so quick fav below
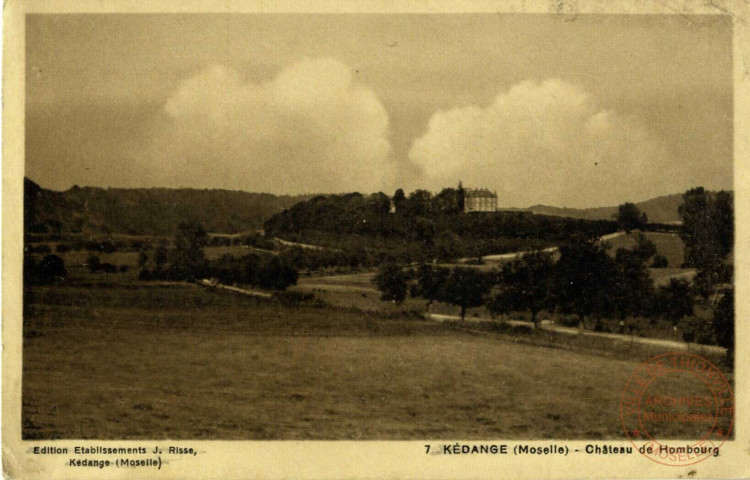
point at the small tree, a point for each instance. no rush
(526, 284)
(465, 288)
(430, 282)
(585, 279)
(675, 301)
(629, 217)
(660, 261)
(190, 241)
(391, 281)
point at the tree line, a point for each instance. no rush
(423, 227)
(187, 261)
(588, 282)
(585, 281)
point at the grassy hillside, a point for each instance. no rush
(667, 244)
(207, 365)
(146, 211)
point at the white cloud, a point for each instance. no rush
(545, 142)
(310, 129)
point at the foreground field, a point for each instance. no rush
(133, 361)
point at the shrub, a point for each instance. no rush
(94, 263)
(50, 269)
(660, 261)
(108, 268)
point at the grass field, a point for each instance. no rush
(668, 244)
(160, 361)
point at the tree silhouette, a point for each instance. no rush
(465, 288)
(584, 279)
(430, 282)
(629, 217)
(391, 281)
(526, 284)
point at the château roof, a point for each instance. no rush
(480, 193)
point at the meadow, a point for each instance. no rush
(142, 360)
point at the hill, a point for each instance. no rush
(147, 211)
(659, 210)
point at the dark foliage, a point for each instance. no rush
(634, 288)
(526, 283)
(146, 211)
(466, 288)
(660, 261)
(629, 217)
(50, 269)
(276, 275)
(93, 263)
(423, 228)
(430, 282)
(708, 227)
(675, 300)
(391, 281)
(585, 279)
(724, 323)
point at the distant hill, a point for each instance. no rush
(659, 210)
(147, 211)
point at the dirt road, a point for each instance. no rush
(680, 346)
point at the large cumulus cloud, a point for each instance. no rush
(545, 142)
(312, 128)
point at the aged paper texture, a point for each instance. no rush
(375, 239)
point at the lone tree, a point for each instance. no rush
(629, 217)
(391, 281)
(465, 288)
(526, 284)
(584, 279)
(430, 282)
(190, 241)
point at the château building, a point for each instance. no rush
(479, 200)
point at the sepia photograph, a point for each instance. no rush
(329, 226)
(366, 226)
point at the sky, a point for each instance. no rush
(590, 112)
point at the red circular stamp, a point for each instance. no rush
(677, 409)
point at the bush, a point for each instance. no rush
(108, 268)
(660, 261)
(94, 263)
(49, 270)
